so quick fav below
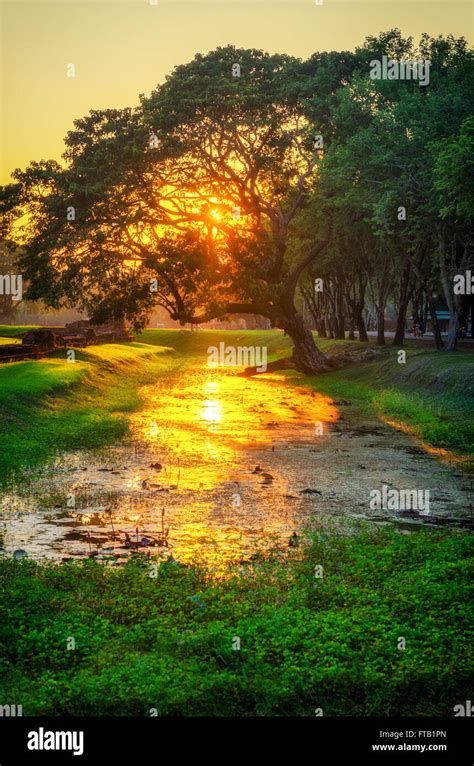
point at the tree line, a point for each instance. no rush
(236, 189)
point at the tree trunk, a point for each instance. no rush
(452, 300)
(306, 355)
(400, 328)
(356, 302)
(383, 284)
(404, 296)
(340, 319)
(322, 329)
(453, 327)
(381, 325)
(436, 331)
(363, 337)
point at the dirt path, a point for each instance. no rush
(244, 464)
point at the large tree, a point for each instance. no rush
(245, 176)
(187, 202)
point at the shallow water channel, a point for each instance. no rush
(219, 466)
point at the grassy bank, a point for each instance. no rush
(51, 405)
(171, 642)
(15, 331)
(431, 395)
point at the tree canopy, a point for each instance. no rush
(240, 177)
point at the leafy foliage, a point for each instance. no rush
(306, 642)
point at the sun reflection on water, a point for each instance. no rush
(206, 420)
(196, 445)
(211, 411)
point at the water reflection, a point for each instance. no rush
(212, 411)
(195, 447)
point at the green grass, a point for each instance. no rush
(194, 345)
(168, 642)
(52, 405)
(15, 331)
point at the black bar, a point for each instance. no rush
(317, 740)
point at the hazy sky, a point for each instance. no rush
(121, 49)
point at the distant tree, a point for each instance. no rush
(453, 182)
(384, 169)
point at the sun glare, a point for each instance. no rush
(212, 411)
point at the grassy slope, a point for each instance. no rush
(52, 404)
(432, 394)
(15, 331)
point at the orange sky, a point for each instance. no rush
(121, 49)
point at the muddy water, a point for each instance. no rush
(218, 466)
